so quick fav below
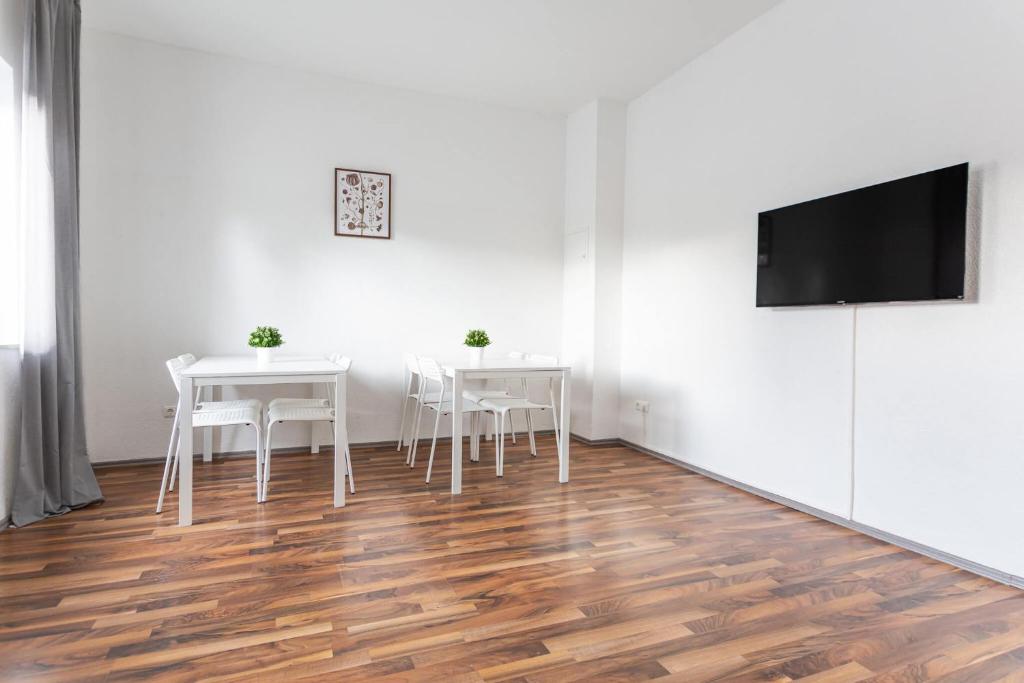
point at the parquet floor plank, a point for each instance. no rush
(636, 570)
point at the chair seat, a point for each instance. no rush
(229, 405)
(247, 415)
(511, 403)
(207, 414)
(305, 410)
(480, 394)
(432, 397)
(288, 413)
(299, 403)
(467, 407)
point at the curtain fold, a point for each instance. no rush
(54, 474)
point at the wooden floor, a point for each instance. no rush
(636, 570)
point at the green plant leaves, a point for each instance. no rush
(265, 338)
(477, 339)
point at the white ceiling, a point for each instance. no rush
(546, 55)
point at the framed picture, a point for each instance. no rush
(362, 203)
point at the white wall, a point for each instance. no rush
(12, 19)
(817, 97)
(595, 168)
(578, 268)
(607, 251)
(207, 190)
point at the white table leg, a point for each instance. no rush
(563, 417)
(477, 417)
(208, 432)
(314, 431)
(185, 452)
(340, 438)
(457, 382)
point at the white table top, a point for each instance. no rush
(246, 366)
(501, 365)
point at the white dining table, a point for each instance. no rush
(214, 371)
(505, 369)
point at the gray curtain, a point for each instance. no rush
(54, 474)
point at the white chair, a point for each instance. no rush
(303, 410)
(549, 360)
(415, 391)
(478, 393)
(422, 396)
(208, 414)
(502, 407)
(430, 372)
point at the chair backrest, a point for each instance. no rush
(342, 360)
(412, 363)
(430, 369)
(176, 365)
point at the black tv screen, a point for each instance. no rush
(903, 240)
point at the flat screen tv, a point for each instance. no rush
(903, 240)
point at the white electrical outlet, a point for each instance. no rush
(642, 406)
(169, 412)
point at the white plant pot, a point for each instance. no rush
(264, 356)
(476, 354)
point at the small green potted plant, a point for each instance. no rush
(265, 340)
(476, 342)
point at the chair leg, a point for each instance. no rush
(208, 436)
(401, 428)
(433, 443)
(511, 427)
(503, 445)
(497, 441)
(474, 427)
(554, 411)
(499, 461)
(430, 465)
(174, 474)
(259, 458)
(529, 428)
(479, 420)
(410, 458)
(405, 410)
(171, 457)
(174, 467)
(351, 476)
(416, 439)
(266, 462)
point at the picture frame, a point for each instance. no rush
(362, 203)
